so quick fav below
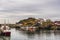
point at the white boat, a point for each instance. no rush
(5, 31)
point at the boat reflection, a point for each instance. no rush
(4, 38)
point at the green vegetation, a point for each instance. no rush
(45, 24)
(28, 22)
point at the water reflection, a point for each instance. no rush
(41, 35)
(17, 34)
(4, 38)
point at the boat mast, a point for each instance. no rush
(8, 22)
(4, 22)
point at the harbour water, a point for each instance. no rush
(21, 35)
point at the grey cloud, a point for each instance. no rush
(44, 8)
(35, 7)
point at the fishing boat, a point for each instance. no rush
(5, 30)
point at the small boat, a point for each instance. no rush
(5, 31)
(32, 29)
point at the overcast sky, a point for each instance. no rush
(15, 10)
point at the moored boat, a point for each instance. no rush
(32, 29)
(5, 31)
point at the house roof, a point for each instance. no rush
(57, 23)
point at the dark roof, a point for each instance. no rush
(57, 22)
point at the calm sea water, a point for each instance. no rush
(21, 35)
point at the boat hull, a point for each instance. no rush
(6, 33)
